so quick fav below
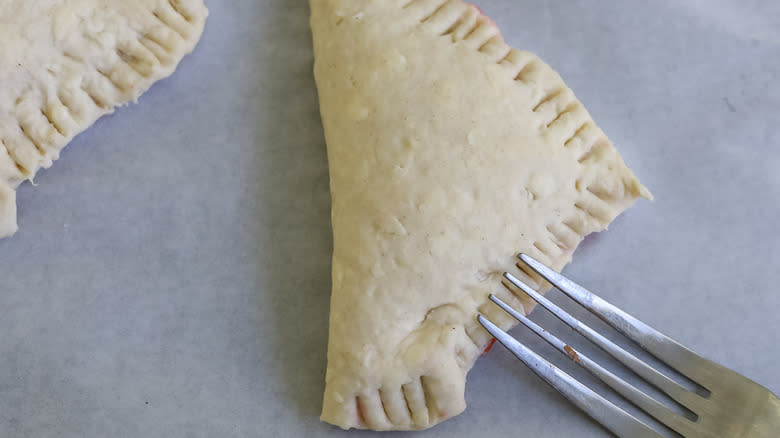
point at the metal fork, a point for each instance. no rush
(735, 406)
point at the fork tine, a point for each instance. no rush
(629, 392)
(615, 419)
(659, 345)
(645, 371)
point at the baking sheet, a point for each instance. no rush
(171, 275)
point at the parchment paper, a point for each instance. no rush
(171, 276)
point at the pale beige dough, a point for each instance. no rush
(65, 63)
(449, 153)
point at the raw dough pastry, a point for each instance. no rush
(449, 152)
(65, 63)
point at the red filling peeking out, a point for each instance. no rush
(489, 346)
(488, 18)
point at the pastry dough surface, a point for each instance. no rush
(449, 153)
(65, 63)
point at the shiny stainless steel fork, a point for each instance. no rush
(735, 406)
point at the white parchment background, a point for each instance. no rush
(171, 276)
